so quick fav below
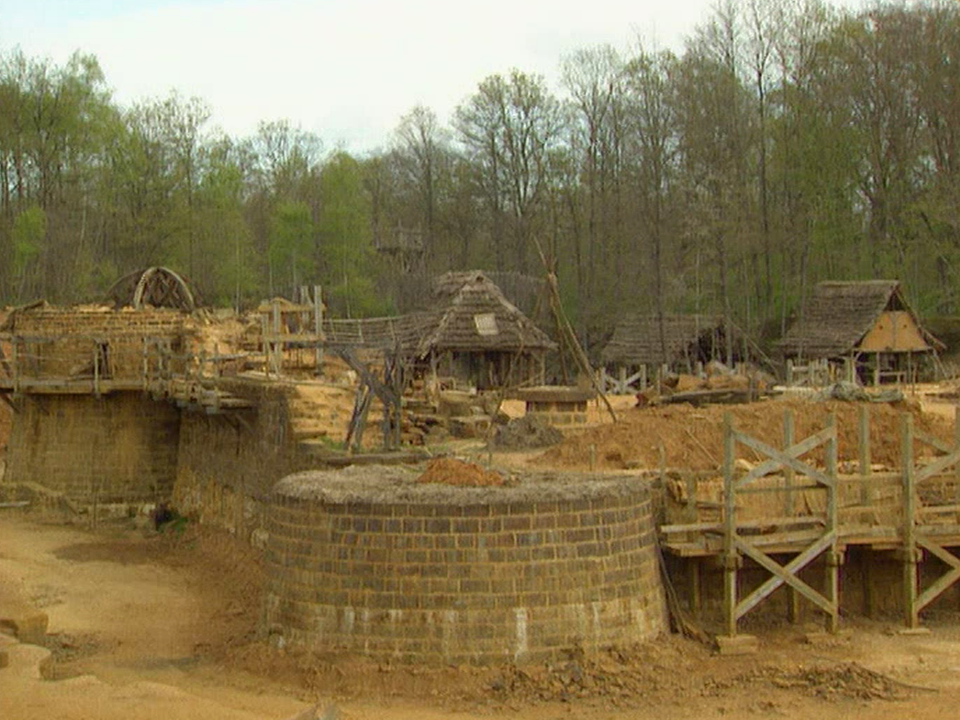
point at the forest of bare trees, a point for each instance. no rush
(789, 142)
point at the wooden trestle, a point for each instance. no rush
(771, 509)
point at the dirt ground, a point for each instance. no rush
(146, 625)
(163, 626)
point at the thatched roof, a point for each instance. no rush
(839, 314)
(475, 317)
(636, 340)
(478, 318)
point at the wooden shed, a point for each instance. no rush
(866, 327)
(471, 333)
(480, 336)
(637, 347)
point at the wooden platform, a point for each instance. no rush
(785, 506)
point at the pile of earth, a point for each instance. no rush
(447, 471)
(525, 433)
(681, 436)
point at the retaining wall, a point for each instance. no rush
(368, 561)
(117, 449)
(228, 464)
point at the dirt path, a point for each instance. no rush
(148, 627)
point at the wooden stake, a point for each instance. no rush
(911, 615)
(730, 557)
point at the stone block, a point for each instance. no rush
(29, 626)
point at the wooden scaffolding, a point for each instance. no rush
(787, 505)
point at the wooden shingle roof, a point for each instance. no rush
(839, 314)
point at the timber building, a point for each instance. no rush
(865, 326)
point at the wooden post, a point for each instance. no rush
(730, 557)
(788, 472)
(622, 379)
(833, 558)
(789, 372)
(956, 448)
(911, 616)
(643, 377)
(318, 328)
(696, 586)
(277, 346)
(876, 370)
(14, 363)
(96, 368)
(867, 579)
(866, 489)
(143, 367)
(793, 597)
(265, 340)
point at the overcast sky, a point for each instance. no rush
(344, 69)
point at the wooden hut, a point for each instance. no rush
(687, 341)
(479, 336)
(863, 330)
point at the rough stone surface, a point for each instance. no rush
(369, 561)
(121, 448)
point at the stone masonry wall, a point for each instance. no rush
(61, 341)
(368, 561)
(118, 449)
(228, 465)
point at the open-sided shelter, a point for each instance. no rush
(866, 325)
(637, 346)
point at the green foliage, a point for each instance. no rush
(786, 144)
(29, 230)
(290, 252)
(345, 250)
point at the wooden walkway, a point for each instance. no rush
(790, 506)
(38, 366)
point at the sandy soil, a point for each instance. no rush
(144, 625)
(162, 627)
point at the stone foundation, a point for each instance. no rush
(120, 449)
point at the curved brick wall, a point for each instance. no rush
(368, 561)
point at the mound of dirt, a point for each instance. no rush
(681, 436)
(447, 471)
(525, 433)
(845, 680)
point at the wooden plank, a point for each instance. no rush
(937, 466)
(786, 574)
(946, 580)
(730, 557)
(786, 458)
(911, 616)
(933, 442)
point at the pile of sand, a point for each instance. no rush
(447, 471)
(680, 436)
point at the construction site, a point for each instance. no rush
(280, 514)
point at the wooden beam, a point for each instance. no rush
(786, 574)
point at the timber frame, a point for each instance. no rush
(789, 506)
